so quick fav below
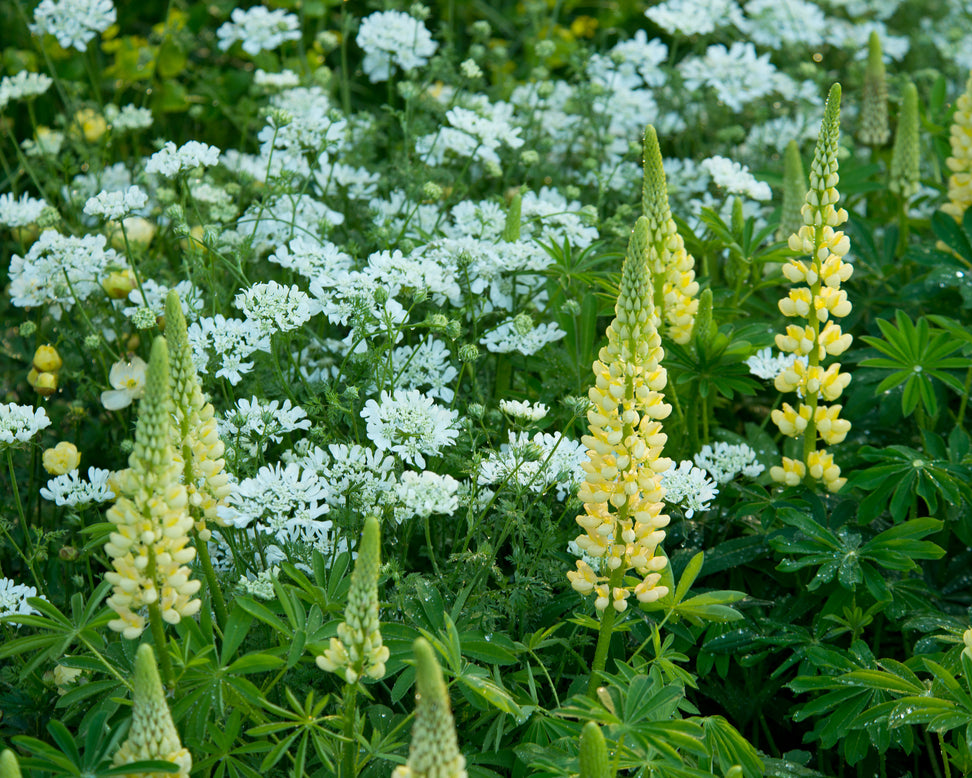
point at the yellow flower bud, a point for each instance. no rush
(61, 459)
(119, 283)
(91, 124)
(45, 384)
(47, 360)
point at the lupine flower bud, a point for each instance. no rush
(672, 268)
(704, 329)
(905, 157)
(434, 752)
(622, 489)
(819, 302)
(152, 735)
(794, 192)
(511, 229)
(47, 360)
(9, 767)
(593, 753)
(960, 163)
(357, 650)
(874, 99)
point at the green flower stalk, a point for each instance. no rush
(9, 767)
(149, 546)
(670, 265)
(960, 163)
(873, 129)
(152, 735)
(794, 191)
(434, 752)
(197, 440)
(358, 650)
(511, 227)
(818, 302)
(905, 156)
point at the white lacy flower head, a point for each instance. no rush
(72, 490)
(524, 411)
(260, 585)
(736, 178)
(285, 79)
(127, 379)
(426, 366)
(630, 64)
(128, 118)
(253, 424)
(19, 423)
(334, 177)
(280, 219)
(170, 161)
(519, 334)
(152, 296)
(536, 463)
(425, 493)
(737, 75)
(358, 477)
(694, 17)
(764, 365)
(410, 424)
(258, 29)
(13, 599)
(472, 135)
(60, 270)
(360, 299)
(231, 340)
(724, 461)
(21, 85)
(688, 487)
(19, 212)
(273, 307)
(115, 205)
(313, 259)
(73, 22)
(557, 217)
(780, 24)
(393, 39)
(283, 502)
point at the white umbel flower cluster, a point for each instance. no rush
(19, 423)
(410, 424)
(393, 39)
(258, 29)
(170, 161)
(73, 22)
(115, 205)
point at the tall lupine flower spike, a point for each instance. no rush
(819, 302)
(794, 191)
(434, 752)
(357, 650)
(672, 268)
(152, 735)
(622, 489)
(874, 99)
(960, 163)
(149, 547)
(905, 157)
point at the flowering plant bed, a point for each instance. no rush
(487, 389)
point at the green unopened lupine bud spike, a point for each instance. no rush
(153, 430)
(794, 191)
(654, 186)
(593, 753)
(511, 229)
(152, 735)
(9, 767)
(434, 752)
(704, 330)
(905, 157)
(873, 129)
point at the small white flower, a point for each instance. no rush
(523, 411)
(73, 22)
(258, 29)
(764, 365)
(536, 463)
(736, 178)
(393, 38)
(13, 599)
(253, 424)
(423, 494)
(514, 335)
(23, 84)
(19, 212)
(21, 422)
(688, 487)
(410, 424)
(70, 489)
(169, 160)
(276, 308)
(724, 461)
(127, 378)
(115, 205)
(128, 118)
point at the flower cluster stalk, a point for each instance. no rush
(818, 302)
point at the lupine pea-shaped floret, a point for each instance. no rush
(819, 302)
(622, 491)
(152, 735)
(149, 546)
(358, 650)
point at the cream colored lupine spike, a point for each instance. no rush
(358, 650)
(434, 751)
(9, 766)
(196, 433)
(960, 163)
(152, 735)
(671, 266)
(622, 491)
(149, 545)
(819, 302)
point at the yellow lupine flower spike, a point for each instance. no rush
(149, 546)
(434, 751)
(960, 163)
(358, 650)
(670, 265)
(152, 735)
(819, 303)
(622, 489)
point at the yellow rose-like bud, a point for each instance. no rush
(119, 283)
(47, 360)
(45, 384)
(61, 459)
(91, 124)
(138, 230)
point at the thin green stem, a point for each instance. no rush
(963, 403)
(604, 635)
(158, 635)
(215, 592)
(350, 746)
(29, 559)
